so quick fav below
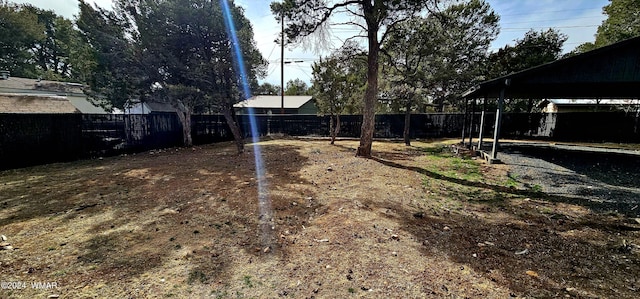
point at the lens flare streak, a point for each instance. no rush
(264, 202)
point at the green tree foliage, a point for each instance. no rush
(536, 48)
(467, 30)
(19, 32)
(409, 64)
(376, 19)
(296, 87)
(585, 47)
(175, 51)
(623, 22)
(436, 56)
(267, 88)
(39, 43)
(337, 86)
(52, 53)
(118, 74)
(328, 84)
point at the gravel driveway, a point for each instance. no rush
(603, 179)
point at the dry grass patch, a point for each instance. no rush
(411, 222)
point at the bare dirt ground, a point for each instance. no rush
(413, 222)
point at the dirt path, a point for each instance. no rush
(413, 222)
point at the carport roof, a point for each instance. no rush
(608, 72)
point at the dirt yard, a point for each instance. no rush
(414, 222)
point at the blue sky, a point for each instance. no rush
(578, 19)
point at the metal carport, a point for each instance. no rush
(611, 72)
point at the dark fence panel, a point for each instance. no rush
(31, 139)
(386, 125)
(514, 125)
(350, 126)
(111, 134)
(103, 134)
(570, 126)
(596, 127)
(519, 125)
(209, 129)
(162, 131)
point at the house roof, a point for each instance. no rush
(135, 107)
(18, 103)
(160, 107)
(17, 86)
(608, 72)
(594, 102)
(588, 102)
(26, 85)
(264, 101)
(84, 106)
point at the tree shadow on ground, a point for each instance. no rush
(625, 208)
(57, 189)
(541, 258)
(405, 154)
(215, 220)
(534, 253)
(197, 205)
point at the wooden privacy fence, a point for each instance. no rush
(432, 125)
(110, 134)
(30, 139)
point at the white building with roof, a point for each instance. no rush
(586, 105)
(268, 104)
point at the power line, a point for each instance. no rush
(272, 68)
(554, 20)
(555, 27)
(304, 72)
(302, 58)
(549, 11)
(564, 44)
(274, 47)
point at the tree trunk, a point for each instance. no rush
(331, 128)
(334, 127)
(184, 114)
(407, 124)
(371, 93)
(337, 128)
(235, 129)
(332, 131)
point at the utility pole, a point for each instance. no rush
(282, 64)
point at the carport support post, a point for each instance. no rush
(464, 120)
(473, 111)
(484, 107)
(481, 129)
(496, 132)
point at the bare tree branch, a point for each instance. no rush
(328, 11)
(354, 12)
(354, 37)
(350, 23)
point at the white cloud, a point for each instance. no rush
(66, 8)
